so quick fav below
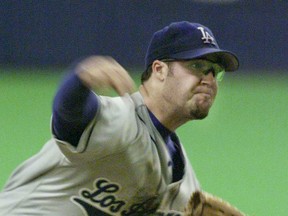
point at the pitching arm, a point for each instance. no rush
(75, 104)
(74, 107)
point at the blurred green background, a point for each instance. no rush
(239, 152)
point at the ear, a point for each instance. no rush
(160, 70)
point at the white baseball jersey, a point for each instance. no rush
(120, 167)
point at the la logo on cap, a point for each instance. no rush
(206, 37)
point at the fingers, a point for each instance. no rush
(100, 73)
(119, 79)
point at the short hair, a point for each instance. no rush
(146, 74)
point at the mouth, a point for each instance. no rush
(205, 97)
(207, 92)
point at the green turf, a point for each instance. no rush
(239, 152)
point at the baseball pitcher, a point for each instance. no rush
(120, 155)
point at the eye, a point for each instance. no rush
(196, 65)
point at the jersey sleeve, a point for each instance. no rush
(90, 124)
(74, 107)
(112, 130)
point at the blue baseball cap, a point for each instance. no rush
(184, 41)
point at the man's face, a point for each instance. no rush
(189, 91)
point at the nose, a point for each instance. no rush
(208, 79)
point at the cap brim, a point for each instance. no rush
(228, 59)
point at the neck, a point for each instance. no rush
(164, 112)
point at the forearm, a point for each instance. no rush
(74, 107)
(75, 104)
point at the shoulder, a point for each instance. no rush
(115, 108)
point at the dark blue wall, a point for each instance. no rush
(42, 32)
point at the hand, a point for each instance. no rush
(100, 73)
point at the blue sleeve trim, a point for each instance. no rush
(74, 107)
